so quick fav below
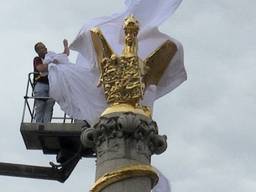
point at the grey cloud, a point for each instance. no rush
(209, 119)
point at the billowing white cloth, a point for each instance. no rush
(51, 56)
(163, 184)
(74, 86)
(75, 89)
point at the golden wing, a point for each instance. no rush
(158, 61)
(102, 48)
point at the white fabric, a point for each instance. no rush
(51, 56)
(163, 184)
(75, 90)
(74, 86)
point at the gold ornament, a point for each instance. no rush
(123, 173)
(125, 78)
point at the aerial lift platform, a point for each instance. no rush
(61, 137)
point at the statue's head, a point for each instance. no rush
(131, 29)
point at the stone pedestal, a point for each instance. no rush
(124, 143)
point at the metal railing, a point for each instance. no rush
(29, 102)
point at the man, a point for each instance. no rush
(43, 104)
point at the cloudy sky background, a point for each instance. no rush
(210, 119)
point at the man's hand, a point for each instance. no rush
(66, 48)
(65, 43)
(55, 61)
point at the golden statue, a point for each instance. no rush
(125, 78)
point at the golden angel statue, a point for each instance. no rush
(124, 63)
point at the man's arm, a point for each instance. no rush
(38, 63)
(42, 67)
(66, 48)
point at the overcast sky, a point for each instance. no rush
(209, 120)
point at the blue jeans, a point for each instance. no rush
(43, 107)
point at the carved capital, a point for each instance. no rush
(115, 130)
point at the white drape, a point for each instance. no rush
(73, 86)
(163, 184)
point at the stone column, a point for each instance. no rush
(124, 143)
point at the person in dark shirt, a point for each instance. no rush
(43, 104)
